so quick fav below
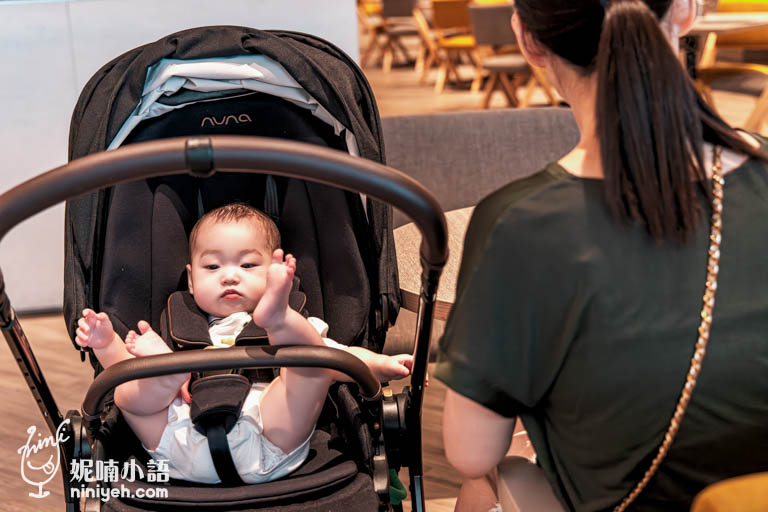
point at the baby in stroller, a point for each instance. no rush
(237, 274)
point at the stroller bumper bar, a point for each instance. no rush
(235, 357)
(232, 153)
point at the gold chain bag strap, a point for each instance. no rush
(706, 323)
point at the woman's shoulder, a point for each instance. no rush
(549, 191)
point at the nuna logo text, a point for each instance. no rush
(225, 120)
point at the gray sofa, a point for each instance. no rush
(461, 157)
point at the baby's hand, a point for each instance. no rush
(94, 330)
(385, 368)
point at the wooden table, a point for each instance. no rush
(407, 243)
(709, 26)
(724, 22)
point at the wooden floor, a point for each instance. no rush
(397, 92)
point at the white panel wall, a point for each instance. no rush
(49, 49)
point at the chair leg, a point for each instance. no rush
(529, 89)
(442, 75)
(387, 57)
(403, 50)
(489, 88)
(368, 51)
(427, 66)
(477, 81)
(421, 59)
(509, 88)
(454, 59)
(709, 53)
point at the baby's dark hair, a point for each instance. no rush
(236, 212)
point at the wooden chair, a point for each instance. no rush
(710, 71)
(506, 66)
(452, 27)
(368, 15)
(391, 20)
(397, 23)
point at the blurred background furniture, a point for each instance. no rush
(385, 24)
(498, 54)
(369, 18)
(454, 40)
(728, 29)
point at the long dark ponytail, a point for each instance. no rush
(651, 122)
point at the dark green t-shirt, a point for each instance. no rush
(586, 329)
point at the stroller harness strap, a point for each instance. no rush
(217, 401)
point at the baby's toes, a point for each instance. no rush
(130, 340)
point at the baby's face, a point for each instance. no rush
(228, 272)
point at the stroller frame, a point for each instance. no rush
(398, 416)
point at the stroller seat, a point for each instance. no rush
(226, 90)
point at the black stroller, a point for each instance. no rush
(193, 140)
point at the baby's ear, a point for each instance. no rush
(189, 279)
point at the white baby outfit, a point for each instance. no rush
(257, 460)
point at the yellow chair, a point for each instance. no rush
(370, 7)
(748, 493)
(710, 70)
(451, 23)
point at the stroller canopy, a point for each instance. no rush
(349, 271)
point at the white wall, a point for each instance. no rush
(49, 49)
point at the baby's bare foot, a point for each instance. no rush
(270, 311)
(94, 330)
(148, 343)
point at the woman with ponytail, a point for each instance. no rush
(586, 297)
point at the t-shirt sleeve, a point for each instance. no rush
(517, 309)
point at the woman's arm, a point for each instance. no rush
(475, 437)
